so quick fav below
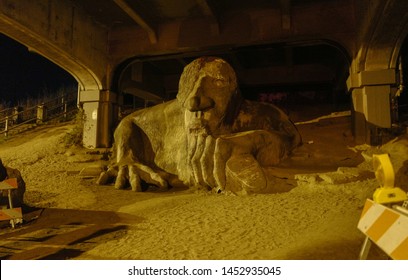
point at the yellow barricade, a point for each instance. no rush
(387, 228)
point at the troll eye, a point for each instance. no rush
(220, 82)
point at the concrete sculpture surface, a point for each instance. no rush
(208, 137)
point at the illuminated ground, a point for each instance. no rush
(70, 217)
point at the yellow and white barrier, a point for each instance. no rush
(385, 227)
(384, 172)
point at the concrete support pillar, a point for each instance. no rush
(17, 117)
(371, 94)
(99, 109)
(41, 114)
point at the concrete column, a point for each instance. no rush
(108, 117)
(41, 114)
(99, 117)
(358, 119)
(17, 117)
(371, 94)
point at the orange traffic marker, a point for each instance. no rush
(11, 214)
(8, 184)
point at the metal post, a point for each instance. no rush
(11, 207)
(365, 249)
(6, 128)
(65, 110)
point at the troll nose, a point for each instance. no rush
(199, 103)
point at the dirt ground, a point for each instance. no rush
(67, 216)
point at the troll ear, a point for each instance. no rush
(233, 108)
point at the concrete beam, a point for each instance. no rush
(285, 14)
(209, 11)
(297, 74)
(61, 33)
(138, 19)
(371, 78)
(381, 29)
(206, 8)
(391, 29)
(332, 21)
(279, 75)
(143, 94)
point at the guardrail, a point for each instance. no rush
(16, 117)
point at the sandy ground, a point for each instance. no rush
(315, 217)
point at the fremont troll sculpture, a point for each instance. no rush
(208, 137)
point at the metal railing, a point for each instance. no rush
(16, 117)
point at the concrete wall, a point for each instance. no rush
(67, 36)
(383, 25)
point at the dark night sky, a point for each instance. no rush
(28, 75)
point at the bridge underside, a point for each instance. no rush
(126, 54)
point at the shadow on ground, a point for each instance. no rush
(59, 234)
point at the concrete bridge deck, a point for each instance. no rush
(115, 48)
